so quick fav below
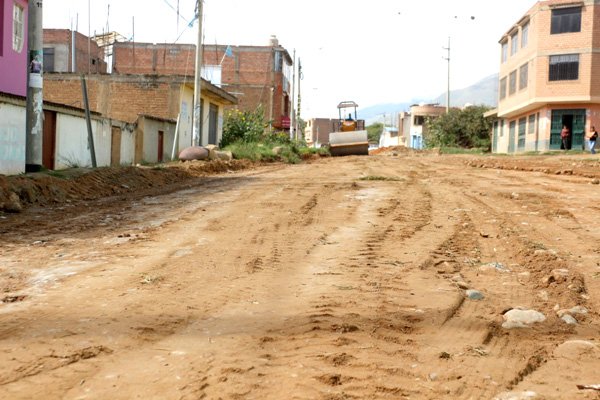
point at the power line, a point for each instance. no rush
(176, 9)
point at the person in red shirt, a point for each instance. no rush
(565, 135)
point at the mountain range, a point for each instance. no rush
(484, 92)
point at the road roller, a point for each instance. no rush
(349, 136)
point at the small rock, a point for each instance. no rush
(494, 266)
(596, 181)
(543, 295)
(277, 150)
(522, 318)
(433, 376)
(569, 320)
(474, 294)
(462, 285)
(516, 396)
(13, 205)
(575, 310)
(560, 275)
(224, 155)
(578, 350)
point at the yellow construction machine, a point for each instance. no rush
(349, 136)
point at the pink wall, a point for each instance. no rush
(13, 65)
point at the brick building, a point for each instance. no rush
(13, 47)
(126, 97)
(61, 44)
(257, 75)
(549, 77)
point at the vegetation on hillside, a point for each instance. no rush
(466, 128)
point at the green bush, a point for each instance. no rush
(466, 128)
(243, 126)
(251, 151)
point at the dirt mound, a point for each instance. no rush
(56, 187)
(393, 150)
(577, 165)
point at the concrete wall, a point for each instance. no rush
(12, 139)
(127, 147)
(13, 64)
(72, 142)
(148, 134)
(186, 120)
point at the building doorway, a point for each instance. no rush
(49, 139)
(115, 146)
(574, 120)
(213, 119)
(161, 144)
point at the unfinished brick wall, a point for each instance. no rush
(123, 98)
(95, 56)
(159, 59)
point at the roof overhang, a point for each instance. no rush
(540, 102)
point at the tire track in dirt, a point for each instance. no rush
(522, 253)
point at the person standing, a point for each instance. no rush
(593, 137)
(565, 136)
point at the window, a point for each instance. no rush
(503, 88)
(564, 67)
(504, 52)
(522, 131)
(523, 76)
(18, 28)
(525, 35)
(419, 120)
(512, 128)
(512, 82)
(278, 62)
(49, 59)
(502, 128)
(531, 126)
(514, 43)
(566, 20)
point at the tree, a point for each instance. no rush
(374, 132)
(466, 128)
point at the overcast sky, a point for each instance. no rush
(372, 52)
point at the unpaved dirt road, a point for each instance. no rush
(308, 282)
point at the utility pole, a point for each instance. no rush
(197, 139)
(299, 108)
(35, 82)
(293, 124)
(448, 88)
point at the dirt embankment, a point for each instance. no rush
(57, 187)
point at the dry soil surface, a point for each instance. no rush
(343, 278)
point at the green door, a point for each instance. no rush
(575, 121)
(578, 130)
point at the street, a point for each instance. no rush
(342, 278)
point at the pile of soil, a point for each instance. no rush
(57, 187)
